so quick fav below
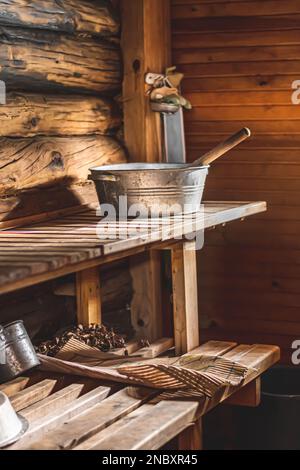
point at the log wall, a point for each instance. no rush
(240, 58)
(61, 63)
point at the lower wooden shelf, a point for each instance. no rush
(74, 413)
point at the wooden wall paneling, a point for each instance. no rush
(146, 48)
(266, 37)
(224, 8)
(68, 15)
(240, 59)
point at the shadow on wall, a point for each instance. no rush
(60, 194)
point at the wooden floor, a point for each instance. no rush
(78, 414)
(36, 253)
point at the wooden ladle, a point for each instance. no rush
(222, 148)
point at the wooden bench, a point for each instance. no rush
(71, 413)
(78, 243)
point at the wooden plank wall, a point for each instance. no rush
(240, 58)
(61, 63)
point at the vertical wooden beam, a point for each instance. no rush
(185, 297)
(249, 396)
(88, 297)
(191, 438)
(146, 46)
(146, 306)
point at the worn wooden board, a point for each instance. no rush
(15, 386)
(53, 403)
(185, 297)
(88, 294)
(129, 419)
(92, 241)
(45, 423)
(91, 422)
(32, 395)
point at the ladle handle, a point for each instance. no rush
(222, 148)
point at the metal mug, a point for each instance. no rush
(12, 425)
(20, 355)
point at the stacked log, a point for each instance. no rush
(28, 163)
(28, 115)
(61, 64)
(66, 15)
(34, 60)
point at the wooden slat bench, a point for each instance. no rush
(47, 250)
(78, 243)
(66, 416)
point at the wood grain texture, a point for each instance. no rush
(185, 298)
(240, 59)
(41, 427)
(28, 163)
(15, 386)
(97, 418)
(146, 48)
(88, 290)
(129, 419)
(33, 394)
(55, 402)
(192, 437)
(28, 115)
(146, 304)
(35, 60)
(249, 396)
(199, 9)
(66, 15)
(60, 246)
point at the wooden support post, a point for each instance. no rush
(146, 306)
(249, 396)
(146, 45)
(88, 297)
(191, 438)
(185, 297)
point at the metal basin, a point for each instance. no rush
(20, 355)
(152, 190)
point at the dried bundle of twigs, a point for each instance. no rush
(97, 336)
